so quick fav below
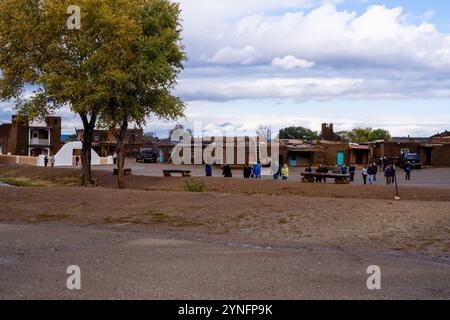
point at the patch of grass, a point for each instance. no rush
(47, 217)
(157, 216)
(282, 220)
(25, 182)
(193, 185)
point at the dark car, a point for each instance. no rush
(412, 158)
(146, 156)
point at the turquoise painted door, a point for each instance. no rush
(293, 160)
(161, 156)
(340, 158)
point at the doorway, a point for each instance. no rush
(428, 156)
(293, 159)
(340, 158)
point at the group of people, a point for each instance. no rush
(320, 169)
(369, 173)
(51, 160)
(282, 172)
(389, 169)
(251, 172)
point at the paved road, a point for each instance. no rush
(428, 177)
(119, 262)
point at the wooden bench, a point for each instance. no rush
(184, 173)
(338, 178)
(126, 172)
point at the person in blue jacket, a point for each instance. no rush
(208, 170)
(256, 170)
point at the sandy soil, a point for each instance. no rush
(409, 226)
(264, 211)
(69, 177)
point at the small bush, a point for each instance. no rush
(24, 182)
(194, 186)
(158, 216)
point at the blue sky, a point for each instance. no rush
(303, 62)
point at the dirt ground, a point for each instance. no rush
(265, 212)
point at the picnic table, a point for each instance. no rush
(338, 178)
(184, 173)
(126, 171)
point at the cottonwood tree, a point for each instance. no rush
(83, 68)
(362, 135)
(65, 66)
(298, 133)
(143, 67)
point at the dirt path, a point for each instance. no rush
(407, 226)
(125, 263)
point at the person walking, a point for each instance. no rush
(319, 179)
(375, 171)
(352, 170)
(208, 170)
(389, 173)
(77, 160)
(371, 174)
(46, 161)
(52, 161)
(364, 174)
(247, 171)
(256, 170)
(226, 171)
(285, 172)
(276, 171)
(385, 163)
(408, 169)
(324, 169)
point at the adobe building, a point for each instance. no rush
(105, 143)
(433, 151)
(329, 151)
(24, 138)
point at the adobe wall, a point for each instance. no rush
(32, 161)
(441, 155)
(331, 151)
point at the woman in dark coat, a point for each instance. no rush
(226, 171)
(247, 171)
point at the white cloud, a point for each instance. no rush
(264, 88)
(380, 37)
(291, 62)
(228, 55)
(311, 88)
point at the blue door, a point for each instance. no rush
(340, 158)
(293, 159)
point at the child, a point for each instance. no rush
(364, 174)
(285, 172)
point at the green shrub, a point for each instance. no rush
(192, 185)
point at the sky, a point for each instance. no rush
(379, 64)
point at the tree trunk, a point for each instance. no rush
(88, 137)
(120, 150)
